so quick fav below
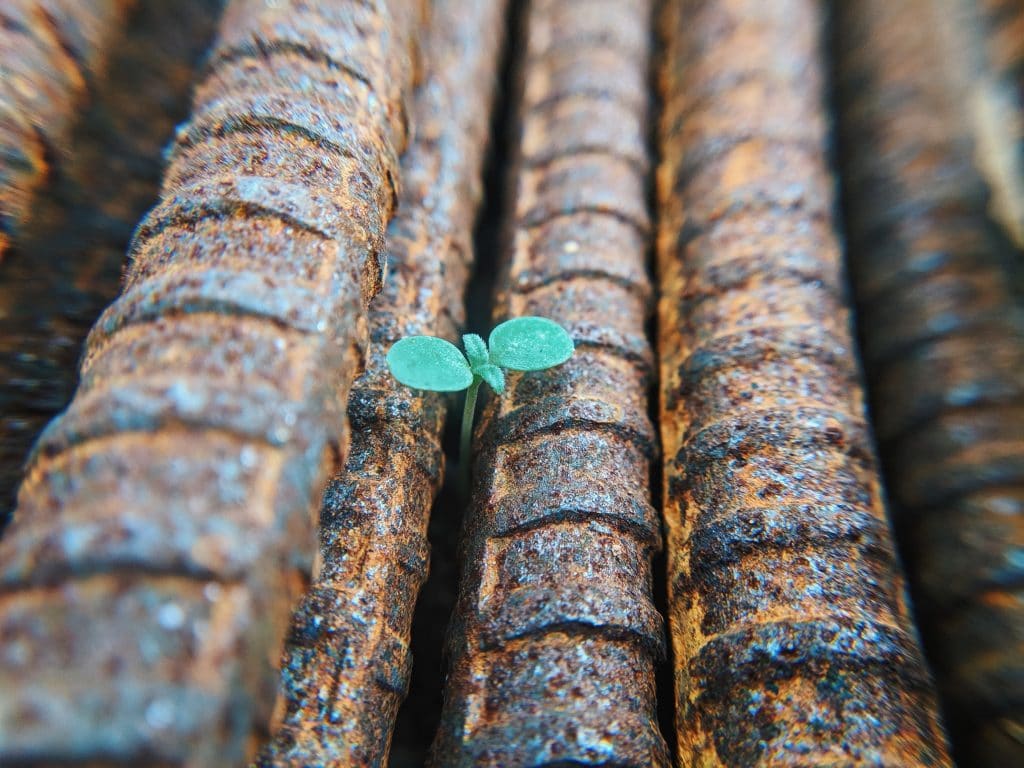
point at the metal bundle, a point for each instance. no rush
(173, 503)
(347, 662)
(792, 639)
(555, 636)
(938, 291)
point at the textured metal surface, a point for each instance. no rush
(555, 637)
(347, 660)
(66, 265)
(51, 52)
(173, 502)
(943, 325)
(1002, 93)
(792, 640)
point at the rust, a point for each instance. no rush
(51, 54)
(1001, 138)
(555, 637)
(174, 501)
(347, 662)
(938, 288)
(791, 634)
(65, 267)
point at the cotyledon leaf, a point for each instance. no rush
(530, 344)
(427, 362)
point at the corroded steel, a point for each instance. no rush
(792, 639)
(943, 329)
(66, 264)
(1003, 32)
(555, 636)
(347, 662)
(173, 502)
(51, 51)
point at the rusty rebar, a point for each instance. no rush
(347, 660)
(165, 524)
(942, 320)
(555, 636)
(51, 53)
(66, 264)
(792, 639)
(1002, 97)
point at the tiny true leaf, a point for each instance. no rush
(427, 362)
(476, 350)
(530, 344)
(493, 375)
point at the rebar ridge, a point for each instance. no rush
(555, 636)
(173, 502)
(51, 52)
(943, 329)
(347, 661)
(792, 640)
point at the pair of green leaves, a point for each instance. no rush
(520, 344)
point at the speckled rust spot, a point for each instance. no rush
(943, 328)
(555, 637)
(347, 662)
(190, 463)
(51, 54)
(792, 639)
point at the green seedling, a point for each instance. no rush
(520, 344)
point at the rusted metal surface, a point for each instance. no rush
(791, 634)
(51, 52)
(555, 636)
(66, 265)
(347, 661)
(1001, 93)
(173, 502)
(943, 327)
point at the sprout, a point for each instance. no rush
(520, 344)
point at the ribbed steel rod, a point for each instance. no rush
(165, 525)
(51, 53)
(65, 266)
(347, 661)
(942, 319)
(792, 639)
(555, 637)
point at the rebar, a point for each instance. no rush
(174, 502)
(347, 661)
(555, 637)
(938, 290)
(51, 54)
(65, 267)
(791, 634)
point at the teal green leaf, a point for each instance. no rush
(427, 362)
(493, 375)
(476, 350)
(530, 344)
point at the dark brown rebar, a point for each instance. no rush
(65, 266)
(555, 636)
(173, 503)
(347, 662)
(50, 53)
(943, 327)
(792, 640)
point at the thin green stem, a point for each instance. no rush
(466, 443)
